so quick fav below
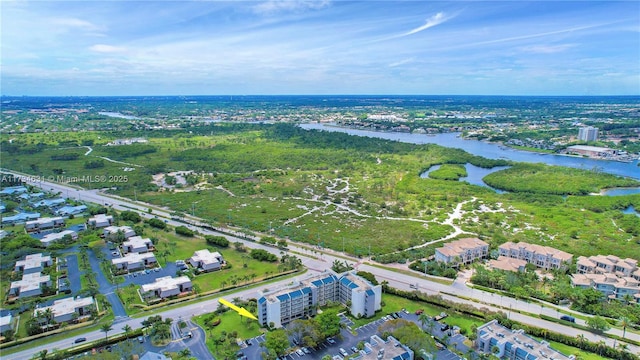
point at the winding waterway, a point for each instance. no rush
(493, 151)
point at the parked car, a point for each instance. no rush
(344, 352)
(300, 352)
(354, 349)
(140, 339)
(306, 350)
(568, 318)
(331, 341)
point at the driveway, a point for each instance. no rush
(196, 343)
(73, 274)
(107, 289)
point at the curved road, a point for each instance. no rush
(457, 292)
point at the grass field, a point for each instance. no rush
(229, 321)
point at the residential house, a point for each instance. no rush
(20, 218)
(12, 190)
(71, 210)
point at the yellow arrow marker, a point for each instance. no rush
(242, 311)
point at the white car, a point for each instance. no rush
(300, 352)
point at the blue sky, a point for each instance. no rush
(320, 47)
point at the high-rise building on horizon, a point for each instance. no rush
(588, 133)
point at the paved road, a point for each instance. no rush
(395, 279)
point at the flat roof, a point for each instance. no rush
(33, 261)
(66, 305)
(165, 283)
(131, 258)
(30, 282)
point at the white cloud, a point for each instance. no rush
(402, 62)
(435, 20)
(102, 48)
(275, 6)
(72, 23)
(546, 49)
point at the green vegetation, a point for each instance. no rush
(546, 179)
(449, 172)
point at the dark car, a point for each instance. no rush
(568, 318)
(79, 340)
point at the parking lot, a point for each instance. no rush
(142, 277)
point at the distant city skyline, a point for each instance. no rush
(157, 47)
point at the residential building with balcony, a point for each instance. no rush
(463, 251)
(543, 257)
(46, 223)
(136, 244)
(300, 300)
(514, 344)
(135, 261)
(167, 286)
(112, 230)
(54, 237)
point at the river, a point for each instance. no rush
(493, 150)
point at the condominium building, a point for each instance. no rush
(46, 223)
(507, 264)
(33, 263)
(100, 221)
(167, 286)
(6, 322)
(30, 285)
(112, 230)
(543, 257)
(463, 251)
(68, 309)
(54, 237)
(513, 344)
(301, 299)
(588, 133)
(136, 244)
(377, 348)
(135, 261)
(204, 260)
(614, 277)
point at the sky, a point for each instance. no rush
(273, 47)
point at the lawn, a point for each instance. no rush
(229, 321)
(393, 303)
(241, 267)
(570, 350)
(130, 297)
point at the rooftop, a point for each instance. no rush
(33, 261)
(30, 282)
(165, 283)
(133, 258)
(66, 306)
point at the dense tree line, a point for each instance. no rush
(219, 241)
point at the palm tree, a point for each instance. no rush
(126, 330)
(185, 353)
(423, 318)
(623, 347)
(106, 328)
(582, 339)
(624, 322)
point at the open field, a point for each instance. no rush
(334, 189)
